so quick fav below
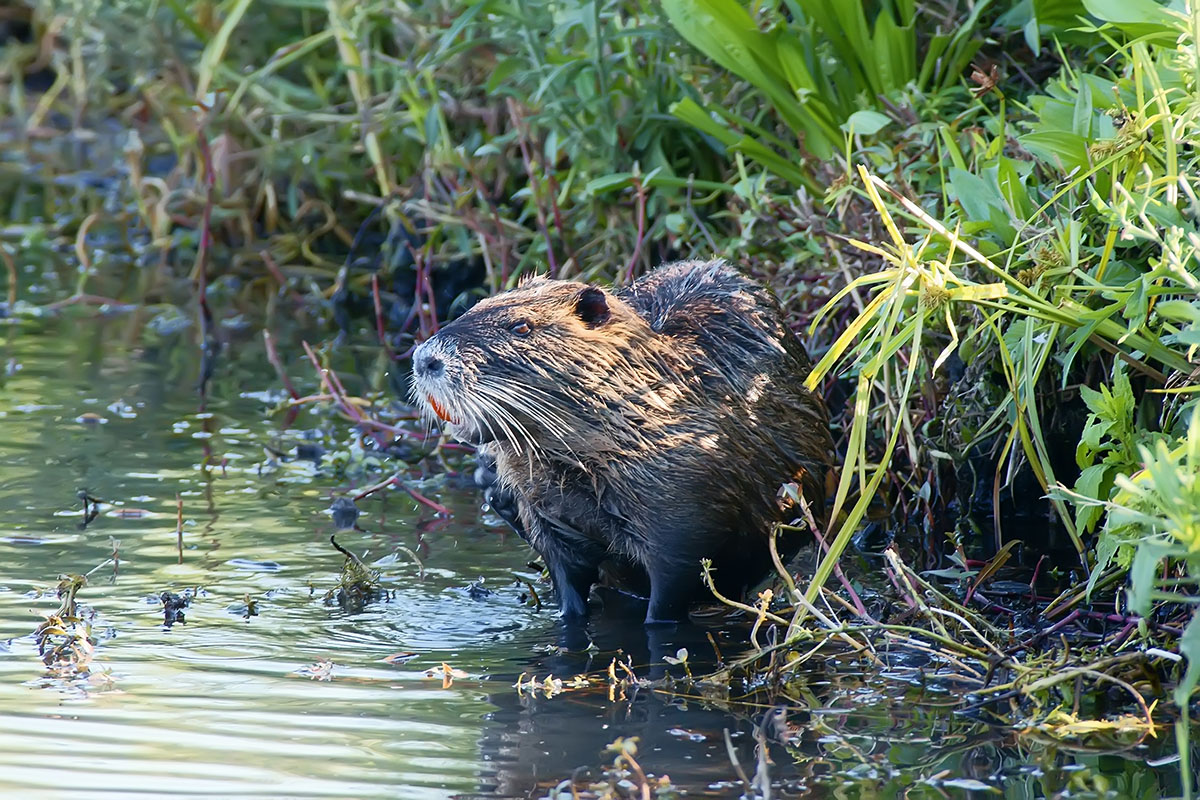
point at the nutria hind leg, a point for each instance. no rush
(673, 585)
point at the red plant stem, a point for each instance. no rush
(905, 595)
(334, 386)
(1120, 638)
(424, 301)
(1036, 571)
(535, 187)
(641, 230)
(277, 274)
(379, 331)
(273, 359)
(396, 480)
(200, 270)
(325, 374)
(85, 299)
(208, 342)
(841, 576)
(420, 498)
(1124, 619)
(179, 525)
(572, 256)
(1067, 620)
(987, 603)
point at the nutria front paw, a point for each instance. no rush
(501, 500)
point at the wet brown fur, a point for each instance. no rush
(639, 430)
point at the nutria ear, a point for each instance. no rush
(591, 306)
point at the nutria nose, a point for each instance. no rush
(430, 365)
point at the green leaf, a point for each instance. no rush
(501, 72)
(725, 32)
(1127, 12)
(1058, 15)
(690, 112)
(1189, 647)
(974, 193)
(1082, 120)
(1013, 189)
(1142, 573)
(866, 123)
(215, 51)
(1106, 548)
(1068, 150)
(1091, 484)
(609, 183)
(1178, 310)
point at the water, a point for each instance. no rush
(303, 699)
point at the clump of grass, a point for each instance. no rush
(358, 584)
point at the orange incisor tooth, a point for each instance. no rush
(440, 411)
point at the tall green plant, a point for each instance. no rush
(816, 67)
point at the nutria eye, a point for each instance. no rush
(521, 328)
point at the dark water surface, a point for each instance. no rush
(234, 705)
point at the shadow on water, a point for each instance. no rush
(265, 690)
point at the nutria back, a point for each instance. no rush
(639, 431)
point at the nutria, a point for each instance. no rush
(638, 431)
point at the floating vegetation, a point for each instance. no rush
(64, 640)
(358, 584)
(447, 674)
(320, 671)
(246, 609)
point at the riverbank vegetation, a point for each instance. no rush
(983, 216)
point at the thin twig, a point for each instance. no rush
(641, 230)
(273, 359)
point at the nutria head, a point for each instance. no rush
(543, 367)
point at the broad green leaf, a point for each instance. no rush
(1013, 189)
(1091, 483)
(1068, 150)
(1181, 311)
(1106, 548)
(976, 196)
(609, 183)
(1058, 15)
(690, 112)
(1142, 573)
(866, 123)
(1124, 12)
